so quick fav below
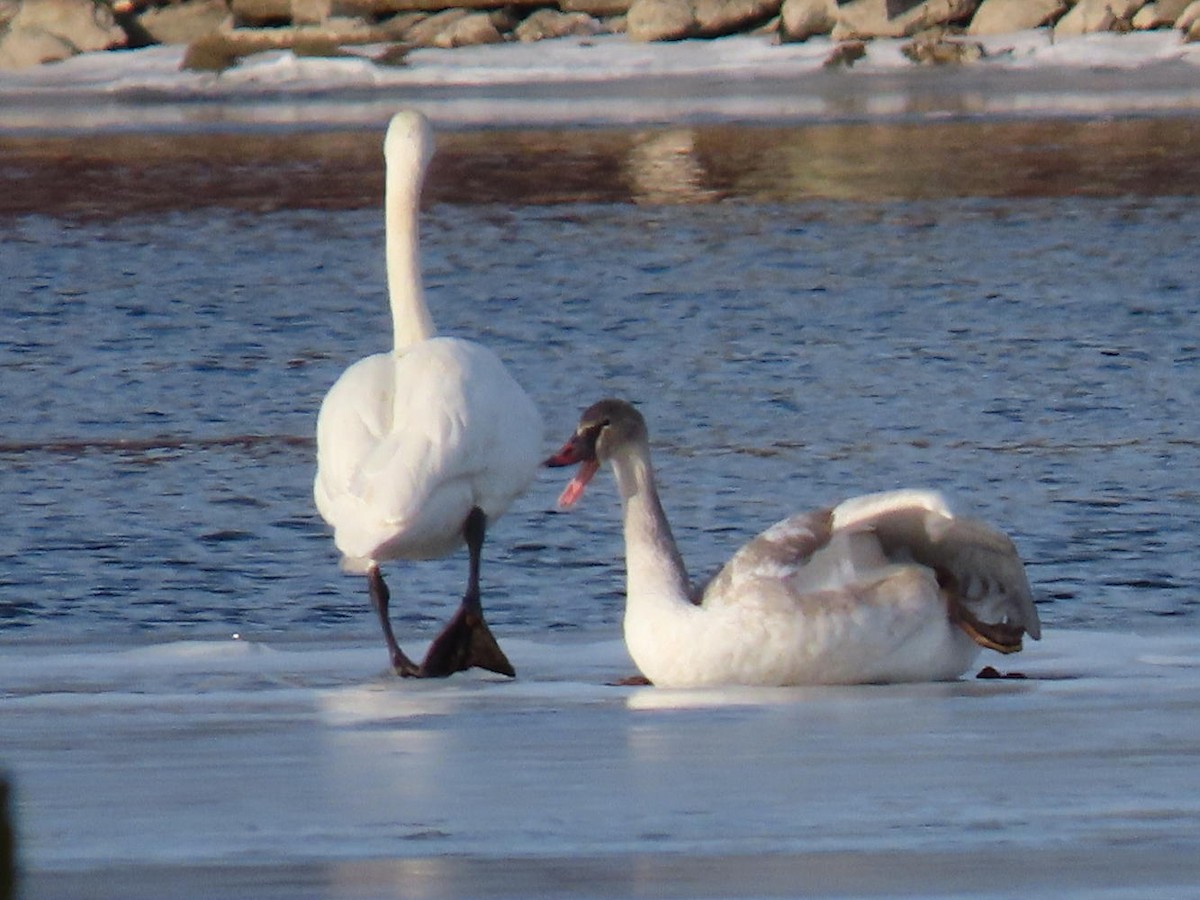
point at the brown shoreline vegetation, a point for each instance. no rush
(219, 33)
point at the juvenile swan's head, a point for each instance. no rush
(604, 428)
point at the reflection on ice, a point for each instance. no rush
(710, 698)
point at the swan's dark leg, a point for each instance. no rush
(379, 599)
(466, 640)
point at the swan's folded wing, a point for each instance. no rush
(978, 565)
(378, 461)
(409, 463)
(781, 551)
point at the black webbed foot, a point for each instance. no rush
(465, 642)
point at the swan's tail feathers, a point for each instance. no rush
(464, 643)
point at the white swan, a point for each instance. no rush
(420, 448)
(882, 588)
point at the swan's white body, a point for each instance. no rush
(884, 588)
(410, 442)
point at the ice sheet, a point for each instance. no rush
(248, 769)
(608, 79)
(235, 757)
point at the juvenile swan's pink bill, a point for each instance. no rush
(574, 451)
(575, 487)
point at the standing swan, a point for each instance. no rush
(882, 588)
(420, 448)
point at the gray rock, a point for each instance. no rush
(845, 55)
(386, 7)
(1170, 10)
(1189, 21)
(468, 31)
(672, 20)
(42, 31)
(212, 52)
(717, 17)
(1148, 18)
(550, 23)
(938, 50)
(425, 32)
(802, 19)
(865, 19)
(31, 47)
(660, 20)
(1089, 16)
(225, 47)
(260, 12)
(596, 8)
(183, 22)
(311, 12)
(1005, 16)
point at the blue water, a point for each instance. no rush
(160, 376)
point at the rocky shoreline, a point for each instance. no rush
(220, 33)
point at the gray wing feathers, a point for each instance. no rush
(976, 565)
(973, 560)
(786, 545)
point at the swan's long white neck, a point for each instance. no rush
(656, 578)
(411, 321)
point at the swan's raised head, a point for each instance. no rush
(603, 429)
(409, 142)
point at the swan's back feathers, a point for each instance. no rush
(408, 443)
(782, 551)
(866, 539)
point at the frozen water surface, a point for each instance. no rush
(226, 765)
(607, 79)
(192, 699)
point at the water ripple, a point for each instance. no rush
(1034, 359)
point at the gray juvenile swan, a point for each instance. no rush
(420, 448)
(886, 587)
